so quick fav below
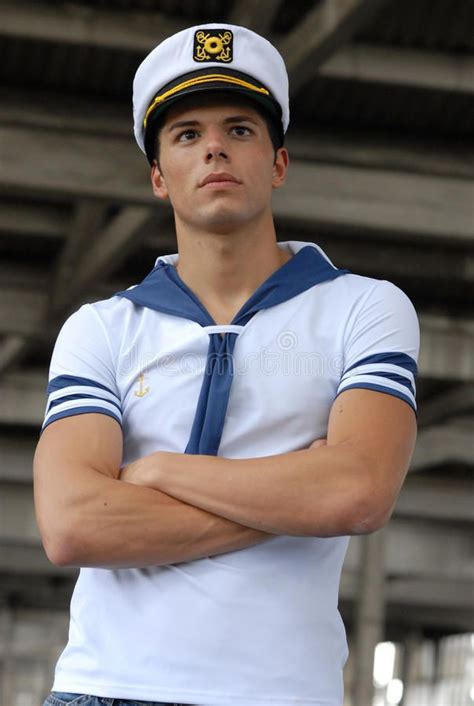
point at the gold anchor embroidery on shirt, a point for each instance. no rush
(142, 391)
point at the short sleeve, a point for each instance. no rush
(82, 371)
(382, 345)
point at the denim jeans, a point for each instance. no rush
(59, 698)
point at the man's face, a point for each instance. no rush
(217, 164)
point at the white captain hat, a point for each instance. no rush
(210, 57)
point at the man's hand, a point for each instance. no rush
(136, 472)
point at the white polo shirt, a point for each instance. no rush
(259, 625)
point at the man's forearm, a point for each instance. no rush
(311, 492)
(119, 525)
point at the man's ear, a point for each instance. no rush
(158, 182)
(280, 167)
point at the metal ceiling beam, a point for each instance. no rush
(22, 307)
(87, 221)
(23, 398)
(377, 202)
(321, 32)
(458, 400)
(442, 445)
(24, 301)
(447, 345)
(31, 219)
(414, 546)
(82, 263)
(396, 261)
(334, 196)
(111, 247)
(436, 498)
(70, 23)
(258, 16)
(306, 47)
(12, 348)
(377, 152)
(402, 67)
(411, 591)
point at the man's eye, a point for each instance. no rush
(241, 130)
(187, 135)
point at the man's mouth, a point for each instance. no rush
(219, 179)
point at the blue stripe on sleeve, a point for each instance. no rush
(80, 410)
(390, 376)
(401, 359)
(379, 388)
(78, 396)
(61, 381)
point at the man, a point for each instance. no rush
(214, 434)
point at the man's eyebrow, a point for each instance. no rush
(230, 119)
(241, 118)
(182, 123)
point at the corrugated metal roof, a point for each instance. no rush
(344, 104)
(89, 72)
(444, 25)
(66, 67)
(194, 10)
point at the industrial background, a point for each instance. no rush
(381, 144)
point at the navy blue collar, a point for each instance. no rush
(164, 290)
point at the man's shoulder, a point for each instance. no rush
(110, 309)
(94, 319)
(355, 285)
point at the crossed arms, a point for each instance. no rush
(167, 508)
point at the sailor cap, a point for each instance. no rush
(210, 57)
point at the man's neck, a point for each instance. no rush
(225, 270)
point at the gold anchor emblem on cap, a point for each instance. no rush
(142, 391)
(213, 47)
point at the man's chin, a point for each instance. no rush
(225, 221)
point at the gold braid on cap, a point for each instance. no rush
(224, 78)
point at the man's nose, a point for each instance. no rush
(215, 146)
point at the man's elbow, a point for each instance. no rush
(60, 546)
(369, 524)
(360, 518)
(372, 513)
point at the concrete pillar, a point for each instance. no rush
(370, 615)
(6, 660)
(411, 664)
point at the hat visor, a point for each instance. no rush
(256, 94)
(265, 101)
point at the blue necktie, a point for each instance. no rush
(164, 290)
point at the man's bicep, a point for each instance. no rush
(71, 457)
(381, 429)
(87, 440)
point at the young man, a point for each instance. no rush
(214, 434)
